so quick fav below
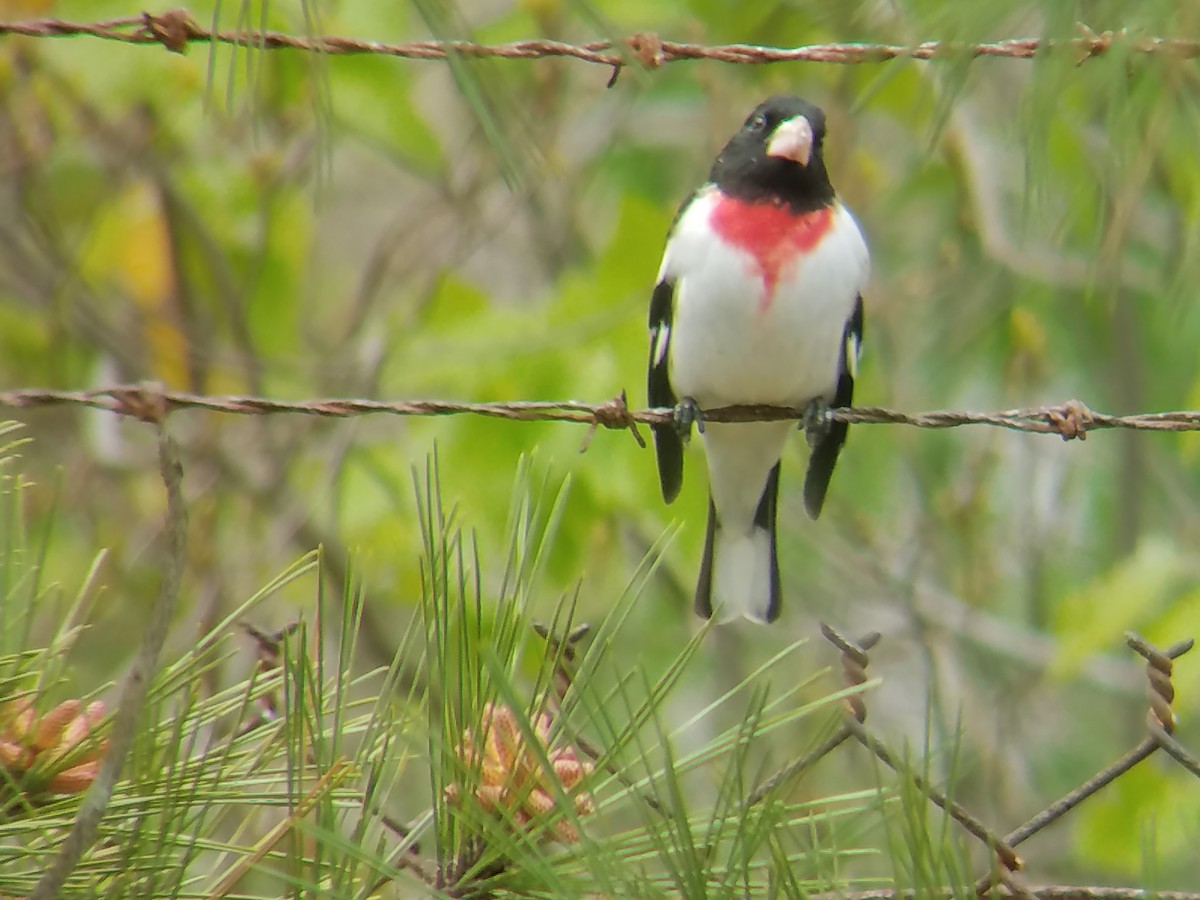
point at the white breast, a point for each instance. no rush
(729, 344)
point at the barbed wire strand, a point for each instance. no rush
(176, 29)
(150, 402)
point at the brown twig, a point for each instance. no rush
(269, 648)
(407, 855)
(137, 683)
(561, 650)
(148, 402)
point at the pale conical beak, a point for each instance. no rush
(792, 139)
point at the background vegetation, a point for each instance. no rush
(287, 224)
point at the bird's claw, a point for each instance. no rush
(816, 421)
(687, 413)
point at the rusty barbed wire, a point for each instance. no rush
(176, 29)
(152, 403)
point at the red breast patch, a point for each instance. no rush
(770, 233)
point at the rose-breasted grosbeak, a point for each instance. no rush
(758, 301)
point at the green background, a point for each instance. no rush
(299, 225)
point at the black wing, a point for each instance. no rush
(825, 453)
(667, 442)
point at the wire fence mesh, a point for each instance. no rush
(1160, 724)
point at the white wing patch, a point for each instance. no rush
(853, 354)
(662, 340)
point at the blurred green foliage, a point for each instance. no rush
(232, 221)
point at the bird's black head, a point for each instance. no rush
(776, 155)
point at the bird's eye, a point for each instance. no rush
(759, 121)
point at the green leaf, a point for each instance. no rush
(1093, 618)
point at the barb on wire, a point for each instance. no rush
(176, 29)
(1160, 665)
(150, 402)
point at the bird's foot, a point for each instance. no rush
(687, 413)
(816, 421)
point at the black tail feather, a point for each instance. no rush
(820, 468)
(765, 518)
(704, 608)
(825, 454)
(668, 447)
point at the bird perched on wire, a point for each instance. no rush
(758, 301)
